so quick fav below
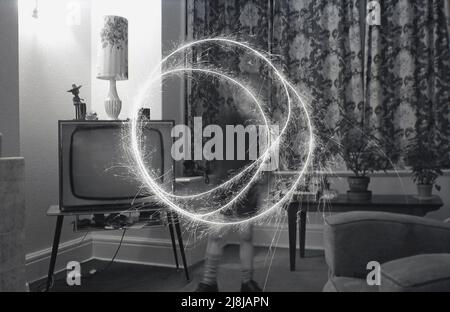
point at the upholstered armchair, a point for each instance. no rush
(414, 252)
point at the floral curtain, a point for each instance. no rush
(208, 96)
(392, 80)
(244, 20)
(408, 73)
(447, 13)
(319, 46)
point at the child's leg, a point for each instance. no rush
(214, 253)
(247, 254)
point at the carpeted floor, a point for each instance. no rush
(274, 273)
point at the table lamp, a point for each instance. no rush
(113, 60)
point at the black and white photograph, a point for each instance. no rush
(214, 149)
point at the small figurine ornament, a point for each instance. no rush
(80, 106)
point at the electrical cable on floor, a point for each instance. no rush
(39, 288)
(115, 255)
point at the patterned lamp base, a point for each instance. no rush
(113, 104)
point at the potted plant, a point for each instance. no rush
(361, 153)
(425, 160)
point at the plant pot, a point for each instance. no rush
(425, 191)
(358, 188)
(358, 184)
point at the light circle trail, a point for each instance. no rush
(168, 198)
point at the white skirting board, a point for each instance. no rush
(152, 251)
(102, 246)
(37, 263)
(144, 250)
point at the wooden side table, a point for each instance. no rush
(403, 204)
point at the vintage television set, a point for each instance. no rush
(94, 172)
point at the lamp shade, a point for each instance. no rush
(113, 50)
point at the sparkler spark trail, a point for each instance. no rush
(172, 200)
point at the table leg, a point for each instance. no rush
(180, 243)
(56, 238)
(172, 237)
(302, 231)
(292, 226)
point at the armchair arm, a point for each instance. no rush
(421, 273)
(354, 239)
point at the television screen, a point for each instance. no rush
(98, 167)
(95, 168)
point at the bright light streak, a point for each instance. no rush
(168, 198)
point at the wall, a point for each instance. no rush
(144, 27)
(52, 56)
(173, 33)
(9, 78)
